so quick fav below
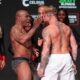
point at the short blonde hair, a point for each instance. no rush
(45, 7)
(51, 9)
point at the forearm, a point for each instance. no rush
(31, 32)
(43, 62)
(36, 24)
(46, 48)
(44, 59)
(74, 53)
(23, 38)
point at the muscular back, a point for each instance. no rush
(60, 36)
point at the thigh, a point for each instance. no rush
(23, 71)
(68, 76)
(67, 73)
(51, 72)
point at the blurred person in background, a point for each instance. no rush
(62, 16)
(2, 55)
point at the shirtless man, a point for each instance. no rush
(58, 38)
(20, 35)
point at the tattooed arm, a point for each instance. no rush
(73, 46)
(45, 52)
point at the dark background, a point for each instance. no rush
(8, 9)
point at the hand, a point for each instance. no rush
(40, 71)
(37, 22)
(74, 66)
(36, 52)
(40, 41)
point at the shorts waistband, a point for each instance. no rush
(58, 54)
(20, 58)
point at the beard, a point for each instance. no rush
(27, 28)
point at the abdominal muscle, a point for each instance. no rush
(22, 51)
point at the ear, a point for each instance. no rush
(19, 18)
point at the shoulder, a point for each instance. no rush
(13, 30)
(45, 31)
(66, 26)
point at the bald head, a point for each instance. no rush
(21, 13)
(22, 17)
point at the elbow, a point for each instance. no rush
(22, 41)
(74, 46)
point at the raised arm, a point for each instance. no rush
(74, 46)
(23, 37)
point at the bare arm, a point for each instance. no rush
(23, 37)
(46, 49)
(73, 44)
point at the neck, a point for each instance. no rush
(53, 20)
(18, 22)
(19, 25)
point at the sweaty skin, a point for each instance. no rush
(20, 35)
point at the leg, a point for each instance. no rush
(51, 72)
(68, 72)
(23, 71)
(51, 77)
(68, 76)
(53, 68)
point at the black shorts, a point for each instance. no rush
(16, 61)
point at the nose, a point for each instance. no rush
(41, 15)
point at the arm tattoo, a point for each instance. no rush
(45, 50)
